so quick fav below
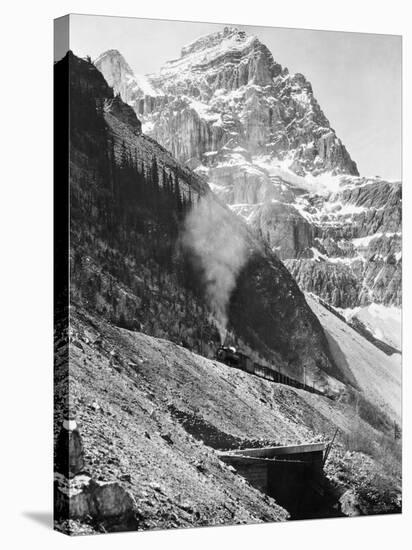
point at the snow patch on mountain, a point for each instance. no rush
(322, 184)
(142, 83)
(147, 127)
(204, 111)
(384, 322)
(365, 241)
(205, 50)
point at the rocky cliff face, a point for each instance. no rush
(256, 133)
(356, 255)
(225, 101)
(343, 246)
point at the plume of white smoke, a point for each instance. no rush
(220, 250)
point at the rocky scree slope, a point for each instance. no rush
(151, 414)
(228, 110)
(126, 397)
(374, 373)
(129, 199)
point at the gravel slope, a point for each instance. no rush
(151, 412)
(377, 374)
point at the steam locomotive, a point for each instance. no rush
(234, 358)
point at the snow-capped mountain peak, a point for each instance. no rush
(227, 88)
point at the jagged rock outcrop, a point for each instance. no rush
(289, 234)
(123, 112)
(118, 74)
(356, 255)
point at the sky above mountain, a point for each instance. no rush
(356, 77)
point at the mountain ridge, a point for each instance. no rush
(230, 112)
(234, 61)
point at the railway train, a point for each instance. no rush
(234, 358)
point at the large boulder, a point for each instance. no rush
(85, 499)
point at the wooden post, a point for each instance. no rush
(329, 447)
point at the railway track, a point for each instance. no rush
(233, 358)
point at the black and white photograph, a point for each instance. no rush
(227, 274)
